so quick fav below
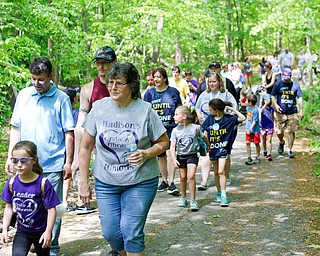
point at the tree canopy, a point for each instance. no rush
(147, 33)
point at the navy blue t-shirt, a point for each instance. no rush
(221, 134)
(164, 103)
(286, 95)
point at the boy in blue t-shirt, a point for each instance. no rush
(252, 129)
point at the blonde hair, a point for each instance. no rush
(190, 113)
(220, 80)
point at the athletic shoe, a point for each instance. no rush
(290, 154)
(265, 154)
(269, 157)
(183, 202)
(164, 185)
(84, 209)
(202, 187)
(194, 206)
(281, 147)
(218, 197)
(173, 190)
(113, 253)
(224, 201)
(249, 162)
(70, 208)
(256, 160)
(228, 183)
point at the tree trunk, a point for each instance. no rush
(87, 43)
(155, 52)
(229, 28)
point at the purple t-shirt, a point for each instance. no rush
(267, 118)
(221, 134)
(28, 203)
(193, 94)
(287, 95)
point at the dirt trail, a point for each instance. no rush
(274, 210)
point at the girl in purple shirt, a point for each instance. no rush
(31, 199)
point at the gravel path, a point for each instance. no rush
(273, 210)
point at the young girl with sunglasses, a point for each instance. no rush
(31, 199)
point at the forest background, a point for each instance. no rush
(189, 33)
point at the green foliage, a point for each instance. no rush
(311, 123)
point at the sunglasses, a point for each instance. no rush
(22, 160)
(38, 81)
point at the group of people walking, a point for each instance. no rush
(133, 139)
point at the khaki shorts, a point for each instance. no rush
(286, 123)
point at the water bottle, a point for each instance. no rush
(131, 144)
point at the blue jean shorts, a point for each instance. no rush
(123, 212)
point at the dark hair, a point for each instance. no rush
(252, 98)
(130, 73)
(217, 104)
(41, 65)
(245, 60)
(188, 72)
(268, 64)
(220, 80)
(31, 149)
(176, 67)
(163, 73)
(72, 93)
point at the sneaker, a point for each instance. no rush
(224, 201)
(218, 197)
(183, 202)
(281, 147)
(256, 160)
(85, 209)
(194, 206)
(202, 187)
(164, 185)
(113, 253)
(228, 183)
(70, 208)
(265, 154)
(269, 157)
(249, 162)
(290, 154)
(173, 190)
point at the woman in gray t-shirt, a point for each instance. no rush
(128, 135)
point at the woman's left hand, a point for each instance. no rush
(137, 157)
(85, 192)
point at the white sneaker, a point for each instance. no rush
(194, 206)
(183, 202)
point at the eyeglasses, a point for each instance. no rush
(98, 63)
(41, 82)
(117, 84)
(22, 160)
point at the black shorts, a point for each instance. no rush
(187, 159)
(216, 158)
(164, 153)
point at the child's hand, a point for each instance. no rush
(4, 237)
(176, 163)
(45, 239)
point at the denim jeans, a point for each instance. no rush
(56, 181)
(123, 212)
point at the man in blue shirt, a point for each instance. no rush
(43, 115)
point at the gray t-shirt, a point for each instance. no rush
(204, 98)
(186, 138)
(111, 125)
